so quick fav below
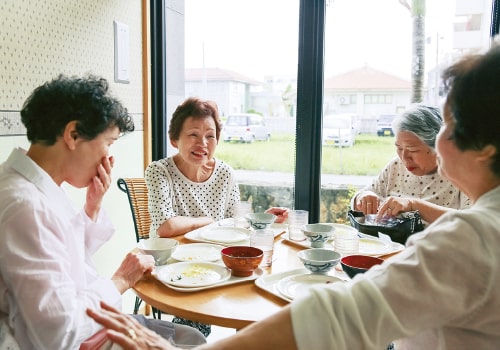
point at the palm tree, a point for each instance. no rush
(417, 10)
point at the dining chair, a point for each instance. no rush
(137, 194)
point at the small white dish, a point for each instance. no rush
(374, 247)
(339, 228)
(225, 234)
(198, 252)
(232, 280)
(296, 286)
(193, 274)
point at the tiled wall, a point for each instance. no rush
(41, 39)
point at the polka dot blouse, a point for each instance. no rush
(395, 180)
(171, 194)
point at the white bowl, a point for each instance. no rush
(160, 248)
(318, 234)
(319, 260)
(260, 221)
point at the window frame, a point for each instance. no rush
(309, 95)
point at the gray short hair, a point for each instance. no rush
(424, 121)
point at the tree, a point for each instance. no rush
(417, 10)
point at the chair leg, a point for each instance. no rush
(156, 313)
(147, 310)
(138, 302)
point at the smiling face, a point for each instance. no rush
(88, 155)
(417, 157)
(197, 141)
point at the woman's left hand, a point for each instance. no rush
(393, 206)
(280, 212)
(132, 269)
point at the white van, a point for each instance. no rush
(245, 127)
(339, 130)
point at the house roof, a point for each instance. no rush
(217, 74)
(366, 78)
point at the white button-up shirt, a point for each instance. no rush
(47, 277)
(441, 292)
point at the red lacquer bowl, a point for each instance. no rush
(242, 260)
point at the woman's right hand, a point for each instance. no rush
(132, 269)
(126, 331)
(367, 202)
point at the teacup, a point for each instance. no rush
(318, 234)
(260, 221)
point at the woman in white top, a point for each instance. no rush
(441, 292)
(411, 180)
(47, 277)
(192, 188)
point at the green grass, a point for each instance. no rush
(367, 157)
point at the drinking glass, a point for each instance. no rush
(243, 208)
(296, 220)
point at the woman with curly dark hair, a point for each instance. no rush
(47, 277)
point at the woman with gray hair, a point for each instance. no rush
(410, 181)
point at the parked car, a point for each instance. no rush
(339, 130)
(245, 127)
(384, 125)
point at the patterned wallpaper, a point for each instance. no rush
(41, 39)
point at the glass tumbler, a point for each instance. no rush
(296, 220)
(241, 211)
(345, 242)
(264, 240)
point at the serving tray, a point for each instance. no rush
(269, 283)
(232, 280)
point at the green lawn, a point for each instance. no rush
(367, 157)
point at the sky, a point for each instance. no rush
(260, 37)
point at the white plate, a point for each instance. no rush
(342, 227)
(232, 280)
(225, 234)
(195, 236)
(193, 274)
(197, 252)
(374, 247)
(269, 283)
(296, 286)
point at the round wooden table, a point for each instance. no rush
(231, 306)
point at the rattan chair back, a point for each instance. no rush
(137, 193)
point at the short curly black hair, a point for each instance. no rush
(85, 100)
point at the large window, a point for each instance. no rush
(368, 53)
(265, 57)
(243, 55)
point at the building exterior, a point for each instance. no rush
(231, 90)
(470, 33)
(368, 93)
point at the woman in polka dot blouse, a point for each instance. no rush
(411, 180)
(192, 188)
